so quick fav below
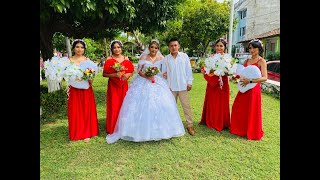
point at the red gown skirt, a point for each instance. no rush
(216, 106)
(116, 92)
(246, 116)
(82, 114)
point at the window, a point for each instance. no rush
(273, 46)
(243, 14)
(242, 31)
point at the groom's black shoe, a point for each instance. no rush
(190, 131)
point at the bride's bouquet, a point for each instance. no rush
(151, 71)
(220, 65)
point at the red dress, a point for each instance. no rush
(82, 114)
(216, 107)
(246, 116)
(116, 92)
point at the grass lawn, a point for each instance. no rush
(207, 155)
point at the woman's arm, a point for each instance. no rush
(105, 74)
(142, 74)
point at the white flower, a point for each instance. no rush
(221, 64)
(55, 67)
(72, 72)
(233, 69)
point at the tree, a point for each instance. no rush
(99, 19)
(199, 23)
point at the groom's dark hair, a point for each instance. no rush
(173, 39)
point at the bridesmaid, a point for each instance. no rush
(82, 112)
(216, 107)
(246, 116)
(117, 83)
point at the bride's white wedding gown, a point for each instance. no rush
(149, 111)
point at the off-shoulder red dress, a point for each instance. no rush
(116, 91)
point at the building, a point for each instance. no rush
(257, 19)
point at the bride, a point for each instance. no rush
(149, 111)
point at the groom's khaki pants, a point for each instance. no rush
(185, 103)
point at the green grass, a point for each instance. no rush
(207, 155)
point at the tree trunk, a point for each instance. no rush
(46, 45)
(68, 46)
(106, 46)
(138, 42)
(203, 53)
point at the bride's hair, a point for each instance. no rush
(146, 51)
(154, 41)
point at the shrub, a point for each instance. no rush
(43, 76)
(273, 56)
(134, 59)
(197, 67)
(51, 103)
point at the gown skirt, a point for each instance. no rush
(149, 112)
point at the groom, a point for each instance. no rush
(178, 72)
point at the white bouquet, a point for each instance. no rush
(55, 67)
(220, 65)
(72, 72)
(209, 65)
(74, 75)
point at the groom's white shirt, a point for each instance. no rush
(179, 71)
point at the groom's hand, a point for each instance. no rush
(189, 87)
(164, 75)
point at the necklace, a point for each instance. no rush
(153, 59)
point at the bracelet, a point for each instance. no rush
(250, 81)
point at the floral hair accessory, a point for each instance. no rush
(224, 40)
(221, 40)
(77, 40)
(116, 41)
(256, 40)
